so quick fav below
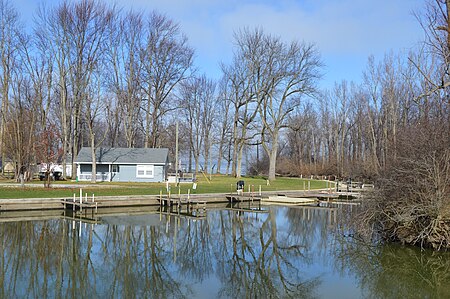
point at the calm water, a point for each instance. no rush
(274, 252)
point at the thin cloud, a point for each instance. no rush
(342, 29)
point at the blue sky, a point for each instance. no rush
(346, 32)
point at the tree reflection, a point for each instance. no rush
(139, 261)
(394, 271)
(255, 261)
(244, 253)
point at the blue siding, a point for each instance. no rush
(127, 173)
(160, 175)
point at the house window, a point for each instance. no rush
(115, 168)
(144, 171)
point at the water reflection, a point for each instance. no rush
(157, 255)
(232, 251)
(394, 271)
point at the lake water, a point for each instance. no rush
(264, 252)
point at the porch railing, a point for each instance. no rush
(100, 177)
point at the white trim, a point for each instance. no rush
(105, 177)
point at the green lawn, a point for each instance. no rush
(218, 184)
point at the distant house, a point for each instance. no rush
(124, 164)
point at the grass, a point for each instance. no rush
(218, 184)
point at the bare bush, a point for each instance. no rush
(412, 205)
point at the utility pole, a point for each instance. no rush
(176, 153)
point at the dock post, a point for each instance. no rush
(309, 185)
(73, 205)
(168, 198)
(188, 197)
(304, 187)
(160, 197)
(260, 194)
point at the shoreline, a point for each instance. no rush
(34, 204)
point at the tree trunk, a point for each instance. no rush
(94, 160)
(273, 161)
(239, 162)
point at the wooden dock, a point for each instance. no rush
(75, 205)
(178, 201)
(287, 200)
(242, 197)
(142, 202)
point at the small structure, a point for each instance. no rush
(124, 164)
(240, 187)
(8, 168)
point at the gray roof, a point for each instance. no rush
(124, 155)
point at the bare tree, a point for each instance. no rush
(197, 102)
(266, 80)
(209, 107)
(191, 102)
(297, 76)
(94, 111)
(20, 116)
(9, 43)
(304, 127)
(167, 61)
(224, 130)
(246, 81)
(125, 44)
(49, 31)
(436, 26)
(78, 34)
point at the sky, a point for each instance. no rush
(346, 32)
